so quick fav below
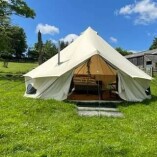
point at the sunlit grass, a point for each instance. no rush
(48, 128)
(17, 68)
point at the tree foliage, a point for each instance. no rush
(32, 53)
(44, 51)
(14, 42)
(154, 44)
(13, 39)
(47, 50)
(63, 45)
(5, 39)
(17, 7)
(50, 49)
(123, 52)
(18, 43)
(39, 48)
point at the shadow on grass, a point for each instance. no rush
(11, 77)
(113, 151)
(114, 105)
(96, 104)
(144, 102)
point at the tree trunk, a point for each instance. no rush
(5, 64)
(40, 59)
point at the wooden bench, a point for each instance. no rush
(86, 85)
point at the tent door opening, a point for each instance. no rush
(94, 80)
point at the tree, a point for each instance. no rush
(122, 51)
(12, 43)
(6, 45)
(8, 8)
(17, 7)
(5, 40)
(32, 53)
(19, 43)
(49, 49)
(39, 48)
(154, 44)
(63, 45)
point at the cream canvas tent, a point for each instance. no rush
(89, 60)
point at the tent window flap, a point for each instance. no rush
(31, 89)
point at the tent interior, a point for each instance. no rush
(94, 79)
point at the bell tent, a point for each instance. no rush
(89, 69)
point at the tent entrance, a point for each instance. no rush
(94, 80)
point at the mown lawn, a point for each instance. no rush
(48, 128)
(17, 68)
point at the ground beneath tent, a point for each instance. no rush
(107, 95)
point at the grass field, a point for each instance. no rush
(17, 68)
(48, 128)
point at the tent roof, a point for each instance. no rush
(86, 45)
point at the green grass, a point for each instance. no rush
(48, 128)
(17, 68)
